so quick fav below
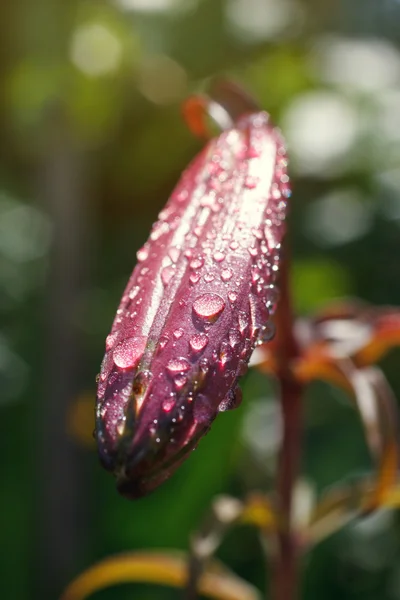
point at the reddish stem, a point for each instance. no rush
(285, 576)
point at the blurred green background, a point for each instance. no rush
(91, 144)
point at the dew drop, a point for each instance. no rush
(198, 342)
(181, 196)
(196, 263)
(208, 277)
(166, 274)
(174, 254)
(232, 297)
(188, 253)
(128, 352)
(253, 251)
(234, 337)
(180, 381)
(163, 341)
(226, 274)
(272, 298)
(208, 307)
(121, 425)
(168, 403)
(243, 321)
(234, 245)
(178, 365)
(257, 233)
(110, 340)
(178, 333)
(142, 254)
(267, 333)
(232, 400)
(134, 292)
(225, 353)
(194, 278)
(218, 256)
(204, 365)
(97, 377)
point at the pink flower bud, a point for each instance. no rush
(198, 302)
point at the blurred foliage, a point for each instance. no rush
(91, 144)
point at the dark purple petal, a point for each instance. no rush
(196, 305)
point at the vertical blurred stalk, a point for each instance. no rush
(44, 28)
(60, 508)
(285, 581)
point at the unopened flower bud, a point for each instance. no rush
(199, 300)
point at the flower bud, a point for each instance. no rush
(198, 302)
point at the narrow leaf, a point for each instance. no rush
(162, 568)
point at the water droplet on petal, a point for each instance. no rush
(134, 292)
(178, 365)
(232, 297)
(225, 353)
(128, 352)
(198, 342)
(169, 403)
(209, 277)
(267, 333)
(234, 245)
(272, 295)
(208, 307)
(181, 196)
(232, 400)
(166, 274)
(194, 278)
(234, 337)
(180, 381)
(253, 251)
(226, 274)
(163, 341)
(257, 233)
(204, 365)
(196, 263)
(178, 333)
(110, 340)
(121, 425)
(142, 254)
(243, 321)
(174, 254)
(218, 256)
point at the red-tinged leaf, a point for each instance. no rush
(197, 304)
(386, 335)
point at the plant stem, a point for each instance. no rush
(285, 575)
